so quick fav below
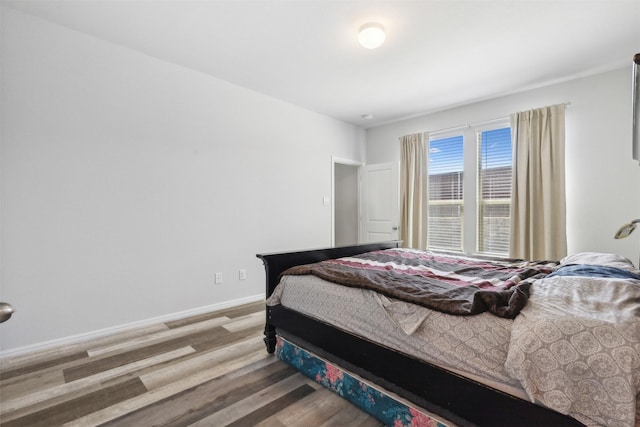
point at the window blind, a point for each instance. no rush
(445, 204)
(494, 190)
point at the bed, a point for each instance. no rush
(508, 360)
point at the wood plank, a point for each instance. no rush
(203, 348)
(272, 421)
(174, 372)
(39, 366)
(231, 313)
(300, 408)
(99, 364)
(69, 410)
(249, 321)
(350, 416)
(58, 351)
(276, 405)
(260, 359)
(313, 410)
(253, 402)
(196, 403)
(56, 400)
(243, 310)
(63, 389)
(24, 385)
(219, 340)
(158, 337)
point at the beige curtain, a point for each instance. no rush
(413, 217)
(538, 209)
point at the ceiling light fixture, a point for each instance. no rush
(371, 35)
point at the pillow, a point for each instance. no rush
(597, 258)
(584, 270)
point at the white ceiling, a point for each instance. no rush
(438, 54)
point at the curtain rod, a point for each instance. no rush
(447, 130)
(476, 124)
(566, 104)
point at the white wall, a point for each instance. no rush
(127, 182)
(603, 182)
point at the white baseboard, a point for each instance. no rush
(74, 339)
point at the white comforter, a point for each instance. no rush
(575, 347)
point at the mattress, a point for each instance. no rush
(476, 349)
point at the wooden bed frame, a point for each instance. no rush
(451, 396)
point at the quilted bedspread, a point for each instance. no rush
(575, 348)
(451, 284)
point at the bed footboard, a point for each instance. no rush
(276, 263)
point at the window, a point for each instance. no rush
(445, 214)
(494, 190)
(484, 187)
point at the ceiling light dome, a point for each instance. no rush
(371, 35)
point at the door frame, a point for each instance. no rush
(347, 162)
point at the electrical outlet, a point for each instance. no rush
(218, 278)
(242, 274)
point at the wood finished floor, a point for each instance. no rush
(206, 370)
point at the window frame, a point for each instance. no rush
(471, 201)
(459, 132)
(477, 131)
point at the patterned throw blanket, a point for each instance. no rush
(575, 348)
(458, 285)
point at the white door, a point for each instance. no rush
(380, 202)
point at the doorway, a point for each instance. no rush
(346, 212)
